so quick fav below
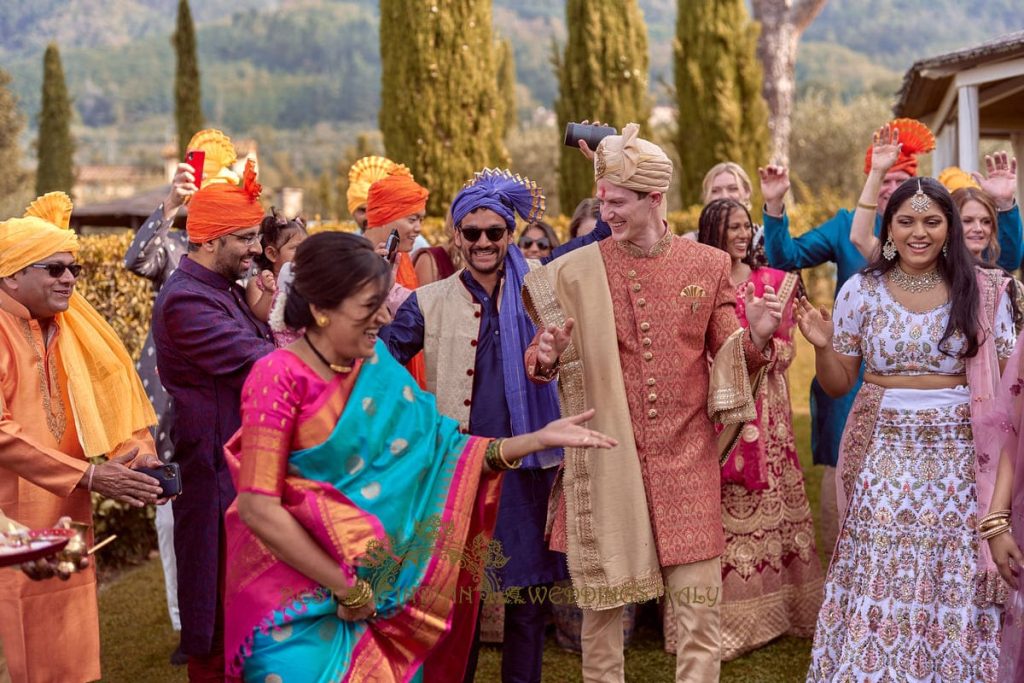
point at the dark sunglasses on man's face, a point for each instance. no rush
(541, 242)
(493, 234)
(55, 270)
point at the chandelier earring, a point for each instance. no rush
(945, 249)
(889, 249)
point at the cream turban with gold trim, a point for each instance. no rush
(633, 163)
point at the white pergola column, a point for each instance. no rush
(968, 128)
(945, 149)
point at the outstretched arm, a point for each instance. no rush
(837, 373)
(783, 251)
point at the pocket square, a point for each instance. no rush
(691, 293)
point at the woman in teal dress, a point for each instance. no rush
(360, 541)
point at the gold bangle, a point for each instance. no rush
(869, 207)
(996, 531)
(993, 519)
(491, 456)
(501, 456)
(358, 595)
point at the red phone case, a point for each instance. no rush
(196, 159)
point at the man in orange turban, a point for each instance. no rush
(206, 341)
(397, 202)
(361, 176)
(70, 392)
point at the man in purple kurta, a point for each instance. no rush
(206, 342)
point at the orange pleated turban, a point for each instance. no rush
(222, 208)
(393, 197)
(915, 138)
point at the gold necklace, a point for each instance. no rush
(915, 284)
(333, 366)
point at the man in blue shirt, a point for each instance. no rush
(474, 331)
(830, 243)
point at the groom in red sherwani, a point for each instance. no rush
(628, 326)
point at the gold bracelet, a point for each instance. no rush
(358, 595)
(491, 456)
(501, 456)
(995, 531)
(869, 207)
(993, 519)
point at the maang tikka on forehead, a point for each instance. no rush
(920, 202)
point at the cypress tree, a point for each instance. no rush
(188, 113)
(12, 176)
(602, 76)
(440, 112)
(56, 148)
(722, 114)
(506, 86)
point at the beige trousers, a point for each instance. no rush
(695, 591)
(829, 511)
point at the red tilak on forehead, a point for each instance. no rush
(601, 192)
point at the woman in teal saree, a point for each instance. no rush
(361, 537)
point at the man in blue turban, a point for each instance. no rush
(474, 346)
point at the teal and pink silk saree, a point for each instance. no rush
(392, 491)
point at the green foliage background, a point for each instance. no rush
(55, 149)
(603, 77)
(722, 116)
(188, 113)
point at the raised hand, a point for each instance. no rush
(774, 186)
(182, 188)
(763, 313)
(1007, 557)
(584, 147)
(814, 323)
(885, 149)
(553, 342)
(570, 432)
(1000, 181)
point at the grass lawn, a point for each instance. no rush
(137, 637)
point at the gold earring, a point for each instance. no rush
(321, 321)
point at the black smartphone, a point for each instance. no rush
(169, 476)
(392, 245)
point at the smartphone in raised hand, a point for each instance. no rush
(196, 158)
(392, 245)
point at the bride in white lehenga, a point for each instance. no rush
(912, 593)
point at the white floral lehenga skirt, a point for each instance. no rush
(904, 600)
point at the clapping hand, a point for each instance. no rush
(763, 313)
(1000, 181)
(553, 342)
(815, 323)
(885, 149)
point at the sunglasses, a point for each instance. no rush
(493, 234)
(55, 270)
(541, 242)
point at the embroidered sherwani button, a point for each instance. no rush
(652, 413)
(470, 372)
(472, 342)
(641, 301)
(652, 397)
(646, 341)
(650, 381)
(632, 274)
(636, 287)
(648, 355)
(466, 402)
(644, 327)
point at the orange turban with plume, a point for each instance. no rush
(393, 197)
(362, 175)
(222, 208)
(915, 138)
